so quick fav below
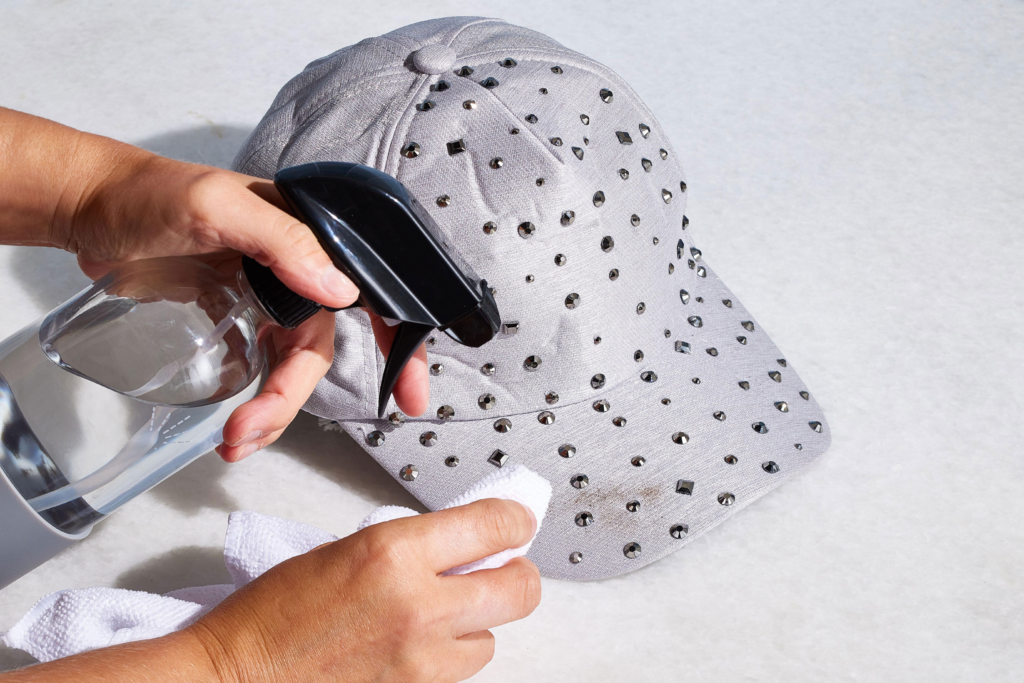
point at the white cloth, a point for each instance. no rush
(72, 621)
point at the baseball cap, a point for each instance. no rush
(626, 373)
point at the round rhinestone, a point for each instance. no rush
(805, 396)
(497, 162)
(798, 446)
(567, 450)
(560, 259)
(635, 220)
(490, 227)
(782, 406)
(648, 376)
(613, 274)
(546, 417)
(720, 416)
(607, 244)
(680, 437)
(531, 118)
(624, 174)
(668, 333)
(568, 217)
(469, 104)
(543, 91)
(598, 198)
(679, 531)
(619, 421)
(663, 153)
(816, 426)
(646, 163)
(666, 195)
(727, 302)
(487, 401)
(695, 380)
(539, 182)
(775, 375)
(444, 200)
(731, 459)
(645, 130)
(436, 369)
(638, 355)
(638, 461)
(503, 425)
(527, 229)
(695, 321)
(631, 550)
(770, 467)
(529, 278)
(597, 381)
(409, 472)
(597, 339)
(726, 499)
(686, 221)
(375, 438)
(606, 95)
(584, 519)
(640, 308)
(602, 406)
(585, 119)
(745, 385)
(412, 150)
(557, 142)
(452, 461)
(576, 557)
(747, 325)
(556, 69)
(682, 186)
(572, 301)
(551, 398)
(633, 506)
(487, 369)
(531, 363)
(742, 340)
(666, 401)
(428, 439)
(580, 481)
(760, 427)
(655, 241)
(445, 413)
(396, 418)
(684, 296)
(508, 62)
(712, 351)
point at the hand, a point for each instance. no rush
(110, 203)
(372, 606)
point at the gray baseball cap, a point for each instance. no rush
(626, 372)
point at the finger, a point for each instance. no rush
(412, 389)
(453, 537)
(473, 652)
(303, 357)
(492, 597)
(240, 219)
(236, 453)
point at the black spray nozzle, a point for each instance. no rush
(387, 244)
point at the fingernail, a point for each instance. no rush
(532, 517)
(336, 284)
(246, 451)
(248, 438)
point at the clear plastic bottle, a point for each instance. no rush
(123, 385)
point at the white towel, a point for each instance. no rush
(72, 621)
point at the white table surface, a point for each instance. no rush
(856, 176)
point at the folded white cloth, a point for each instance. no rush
(72, 621)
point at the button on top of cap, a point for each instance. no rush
(434, 59)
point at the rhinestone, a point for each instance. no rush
(613, 274)
(469, 104)
(679, 249)
(680, 438)
(490, 82)
(633, 506)
(375, 438)
(686, 221)
(540, 181)
(638, 355)
(760, 427)
(731, 459)
(631, 549)
(445, 413)
(531, 118)
(578, 151)
(508, 62)
(682, 347)
(635, 220)
(431, 341)
(684, 296)
(816, 426)
(747, 325)
(543, 91)
(532, 363)
(682, 186)
(597, 381)
(557, 142)
(566, 450)
(638, 461)
(607, 244)
(498, 458)
(527, 229)
(602, 406)
(719, 415)
(606, 95)
(487, 369)
(782, 406)
(695, 380)
(712, 352)
(702, 271)
(695, 321)
(640, 308)
(396, 418)
(436, 369)
(514, 131)
(490, 227)
(666, 401)
(487, 401)
(465, 71)
(585, 119)
(770, 467)
(798, 446)
(451, 461)
(440, 86)
(497, 162)
(726, 499)
(741, 340)
(426, 105)
(648, 376)
(700, 299)
(619, 421)
(456, 147)
(510, 328)
(744, 385)
(666, 195)
(696, 253)
(656, 242)
(503, 425)
(775, 375)
(529, 278)
(691, 263)
(624, 174)
(685, 487)
(646, 163)
(568, 217)
(412, 150)
(546, 417)
(645, 130)
(663, 153)
(551, 397)
(444, 200)
(805, 396)
(580, 481)
(781, 361)
(597, 339)
(576, 557)
(598, 198)
(623, 137)
(572, 301)
(428, 439)
(556, 69)
(679, 531)
(584, 519)
(409, 472)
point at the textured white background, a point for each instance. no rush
(856, 176)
